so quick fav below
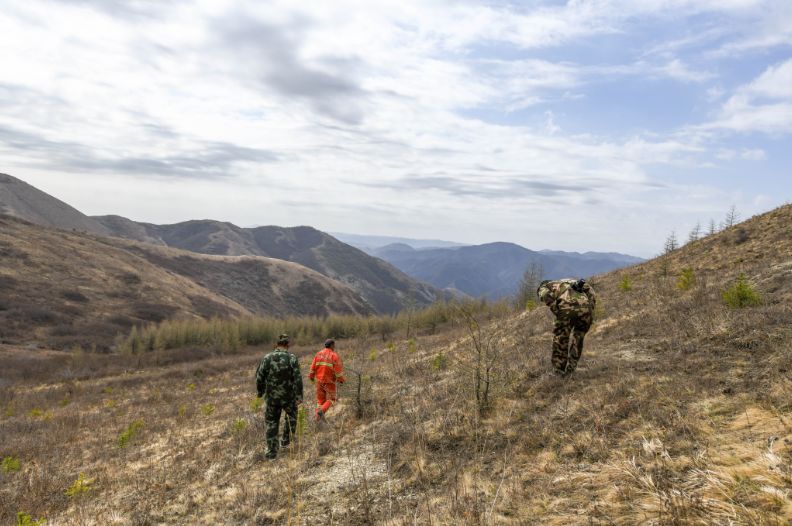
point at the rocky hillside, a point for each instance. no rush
(61, 288)
(386, 288)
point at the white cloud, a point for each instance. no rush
(763, 105)
(365, 111)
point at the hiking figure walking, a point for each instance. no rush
(572, 301)
(326, 370)
(279, 380)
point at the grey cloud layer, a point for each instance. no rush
(272, 52)
(204, 160)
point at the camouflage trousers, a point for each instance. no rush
(272, 417)
(568, 337)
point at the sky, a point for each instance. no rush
(581, 125)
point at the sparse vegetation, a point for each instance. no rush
(132, 430)
(239, 425)
(625, 285)
(526, 293)
(256, 403)
(80, 486)
(10, 465)
(677, 414)
(741, 294)
(230, 335)
(686, 279)
(24, 519)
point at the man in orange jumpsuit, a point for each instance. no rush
(326, 370)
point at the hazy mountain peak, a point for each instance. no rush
(21, 200)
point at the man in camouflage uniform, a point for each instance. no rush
(572, 301)
(279, 380)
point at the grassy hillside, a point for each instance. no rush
(383, 286)
(62, 288)
(21, 200)
(680, 413)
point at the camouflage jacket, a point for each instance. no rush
(278, 376)
(564, 301)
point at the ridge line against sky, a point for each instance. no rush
(596, 125)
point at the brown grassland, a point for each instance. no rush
(680, 413)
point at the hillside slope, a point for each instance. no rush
(383, 286)
(680, 413)
(19, 199)
(63, 287)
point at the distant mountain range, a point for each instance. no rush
(385, 273)
(494, 270)
(384, 288)
(370, 243)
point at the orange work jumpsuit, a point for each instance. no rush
(326, 370)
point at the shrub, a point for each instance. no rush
(229, 334)
(10, 465)
(686, 279)
(239, 425)
(23, 519)
(625, 285)
(80, 486)
(741, 294)
(129, 433)
(411, 346)
(207, 409)
(373, 355)
(439, 361)
(256, 403)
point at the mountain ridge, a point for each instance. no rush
(52, 293)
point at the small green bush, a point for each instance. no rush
(80, 486)
(23, 519)
(686, 279)
(439, 362)
(10, 465)
(411, 346)
(129, 433)
(256, 403)
(372, 355)
(625, 285)
(239, 425)
(207, 409)
(741, 294)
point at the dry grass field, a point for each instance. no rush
(680, 413)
